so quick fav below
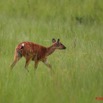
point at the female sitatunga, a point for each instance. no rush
(35, 52)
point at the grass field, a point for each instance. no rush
(78, 76)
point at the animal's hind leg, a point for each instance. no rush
(16, 59)
(36, 61)
(36, 64)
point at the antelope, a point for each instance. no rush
(35, 52)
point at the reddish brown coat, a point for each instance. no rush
(35, 52)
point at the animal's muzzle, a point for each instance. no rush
(64, 48)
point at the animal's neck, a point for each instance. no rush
(50, 50)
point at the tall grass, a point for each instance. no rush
(78, 70)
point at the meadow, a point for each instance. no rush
(78, 70)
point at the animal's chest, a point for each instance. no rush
(39, 56)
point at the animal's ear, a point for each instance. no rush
(53, 40)
(58, 40)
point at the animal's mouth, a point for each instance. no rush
(64, 48)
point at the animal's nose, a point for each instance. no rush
(64, 48)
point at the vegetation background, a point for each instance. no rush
(78, 76)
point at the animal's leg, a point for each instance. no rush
(17, 57)
(27, 63)
(36, 61)
(36, 64)
(45, 61)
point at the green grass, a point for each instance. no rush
(78, 69)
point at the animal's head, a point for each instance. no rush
(57, 44)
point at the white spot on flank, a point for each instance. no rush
(23, 44)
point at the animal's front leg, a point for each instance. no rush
(45, 61)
